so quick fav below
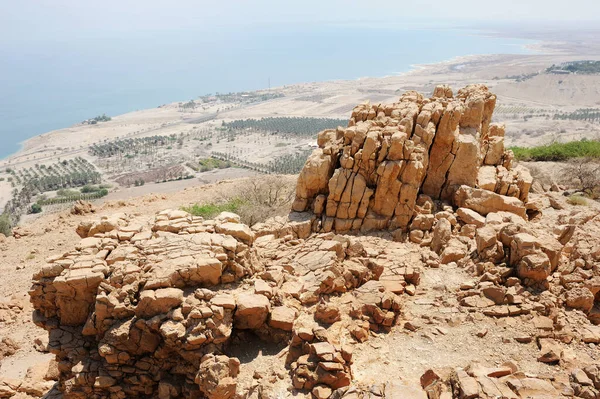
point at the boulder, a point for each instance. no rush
(217, 376)
(282, 317)
(252, 311)
(580, 298)
(484, 201)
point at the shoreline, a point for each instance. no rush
(6, 160)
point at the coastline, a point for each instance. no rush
(414, 68)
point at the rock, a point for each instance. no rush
(454, 251)
(550, 351)
(160, 301)
(228, 217)
(370, 175)
(217, 376)
(580, 298)
(467, 386)
(484, 201)
(469, 216)
(237, 230)
(327, 314)
(535, 267)
(282, 317)
(8, 347)
(321, 392)
(81, 207)
(428, 378)
(441, 235)
(252, 311)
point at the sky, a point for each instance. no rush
(26, 20)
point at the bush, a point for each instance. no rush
(559, 151)
(577, 200)
(586, 172)
(5, 226)
(36, 208)
(89, 189)
(254, 200)
(213, 209)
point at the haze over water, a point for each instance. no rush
(55, 84)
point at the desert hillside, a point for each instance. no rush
(413, 256)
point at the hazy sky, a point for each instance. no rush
(54, 19)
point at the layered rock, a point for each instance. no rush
(370, 175)
(141, 307)
(129, 312)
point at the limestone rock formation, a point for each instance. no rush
(142, 305)
(373, 174)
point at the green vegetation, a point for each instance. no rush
(99, 118)
(207, 164)
(89, 189)
(580, 67)
(241, 97)
(583, 114)
(213, 209)
(254, 200)
(288, 164)
(295, 126)
(577, 200)
(559, 151)
(36, 208)
(133, 147)
(5, 225)
(66, 196)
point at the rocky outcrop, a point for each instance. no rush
(129, 311)
(370, 175)
(141, 307)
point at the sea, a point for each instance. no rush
(53, 84)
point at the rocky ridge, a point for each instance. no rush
(156, 305)
(394, 158)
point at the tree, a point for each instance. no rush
(36, 208)
(586, 171)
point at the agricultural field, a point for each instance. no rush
(585, 67)
(31, 184)
(286, 126)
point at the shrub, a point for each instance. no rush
(213, 209)
(559, 151)
(577, 200)
(5, 226)
(89, 189)
(254, 200)
(36, 208)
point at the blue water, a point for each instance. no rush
(51, 85)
